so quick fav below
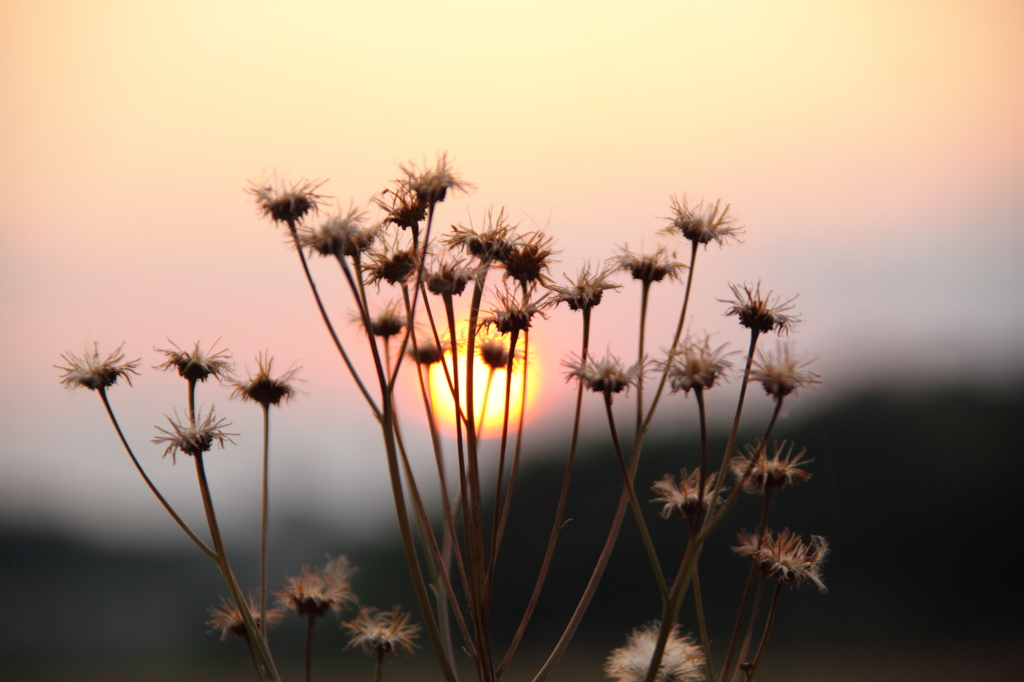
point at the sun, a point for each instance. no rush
(489, 385)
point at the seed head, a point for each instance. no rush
(786, 558)
(384, 633)
(696, 365)
(761, 312)
(228, 619)
(683, 660)
(702, 224)
(513, 315)
(197, 365)
(388, 323)
(649, 268)
(405, 208)
(492, 243)
(287, 203)
(606, 376)
(263, 388)
(770, 473)
(586, 291)
(392, 265)
(193, 438)
(448, 277)
(781, 372)
(528, 259)
(685, 498)
(315, 592)
(90, 372)
(340, 235)
(431, 185)
(494, 352)
(426, 353)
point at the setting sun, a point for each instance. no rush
(488, 387)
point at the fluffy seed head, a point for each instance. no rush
(761, 312)
(702, 224)
(392, 265)
(263, 388)
(90, 372)
(315, 592)
(587, 289)
(697, 365)
(683, 660)
(197, 364)
(340, 235)
(607, 375)
(404, 208)
(385, 633)
(228, 619)
(649, 268)
(513, 315)
(684, 499)
(491, 243)
(287, 203)
(388, 323)
(770, 473)
(431, 185)
(528, 259)
(786, 558)
(781, 372)
(193, 438)
(448, 277)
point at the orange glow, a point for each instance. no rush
(488, 393)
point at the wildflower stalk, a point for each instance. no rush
(166, 505)
(767, 631)
(705, 641)
(644, 298)
(501, 507)
(634, 502)
(310, 622)
(675, 342)
(327, 320)
(559, 512)
(264, 519)
(251, 629)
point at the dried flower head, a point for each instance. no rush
(197, 365)
(388, 323)
(761, 312)
(193, 438)
(340, 235)
(431, 185)
(492, 243)
(392, 265)
(405, 209)
(649, 268)
(781, 372)
(315, 592)
(263, 388)
(95, 374)
(786, 558)
(287, 203)
(384, 633)
(528, 259)
(448, 277)
(494, 352)
(513, 315)
(586, 291)
(426, 353)
(685, 498)
(228, 619)
(683, 660)
(697, 365)
(702, 224)
(607, 376)
(770, 473)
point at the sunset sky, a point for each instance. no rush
(873, 150)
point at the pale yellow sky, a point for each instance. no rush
(873, 149)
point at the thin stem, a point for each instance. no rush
(310, 621)
(559, 512)
(378, 670)
(634, 502)
(705, 641)
(327, 321)
(767, 631)
(265, 518)
(166, 505)
(644, 298)
(750, 628)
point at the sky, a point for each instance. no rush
(873, 151)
